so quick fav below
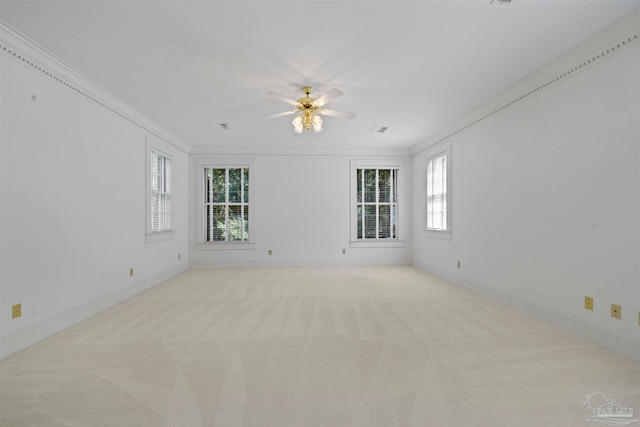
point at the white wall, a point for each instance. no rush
(546, 205)
(73, 206)
(301, 212)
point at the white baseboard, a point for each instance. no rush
(618, 344)
(203, 265)
(30, 335)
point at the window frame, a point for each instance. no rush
(438, 151)
(387, 242)
(151, 235)
(201, 166)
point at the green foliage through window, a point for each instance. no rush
(377, 203)
(226, 204)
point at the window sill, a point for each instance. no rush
(225, 246)
(435, 234)
(373, 243)
(159, 236)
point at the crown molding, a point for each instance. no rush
(18, 47)
(619, 35)
(298, 151)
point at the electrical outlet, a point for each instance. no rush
(131, 272)
(616, 311)
(270, 252)
(16, 311)
(588, 303)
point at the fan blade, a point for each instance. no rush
(284, 113)
(284, 98)
(334, 113)
(329, 96)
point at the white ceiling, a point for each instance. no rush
(412, 66)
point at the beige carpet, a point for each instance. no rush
(352, 346)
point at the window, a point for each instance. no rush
(437, 193)
(377, 203)
(375, 210)
(225, 213)
(226, 204)
(160, 194)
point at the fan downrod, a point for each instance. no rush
(307, 102)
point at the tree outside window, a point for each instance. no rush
(377, 204)
(226, 204)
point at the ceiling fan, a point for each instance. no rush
(309, 110)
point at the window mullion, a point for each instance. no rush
(394, 202)
(377, 235)
(227, 205)
(242, 204)
(362, 204)
(210, 177)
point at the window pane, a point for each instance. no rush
(235, 191)
(394, 186)
(245, 235)
(216, 185)
(370, 222)
(215, 223)
(246, 186)
(384, 185)
(394, 221)
(359, 186)
(158, 172)
(236, 225)
(370, 185)
(160, 212)
(384, 222)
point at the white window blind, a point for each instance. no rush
(437, 193)
(226, 204)
(160, 193)
(377, 203)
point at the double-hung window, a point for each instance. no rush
(437, 193)
(226, 204)
(226, 207)
(375, 189)
(377, 203)
(160, 192)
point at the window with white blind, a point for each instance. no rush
(375, 189)
(160, 192)
(226, 204)
(438, 195)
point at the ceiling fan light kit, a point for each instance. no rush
(309, 110)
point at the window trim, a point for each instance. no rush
(201, 165)
(150, 235)
(356, 164)
(438, 151)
